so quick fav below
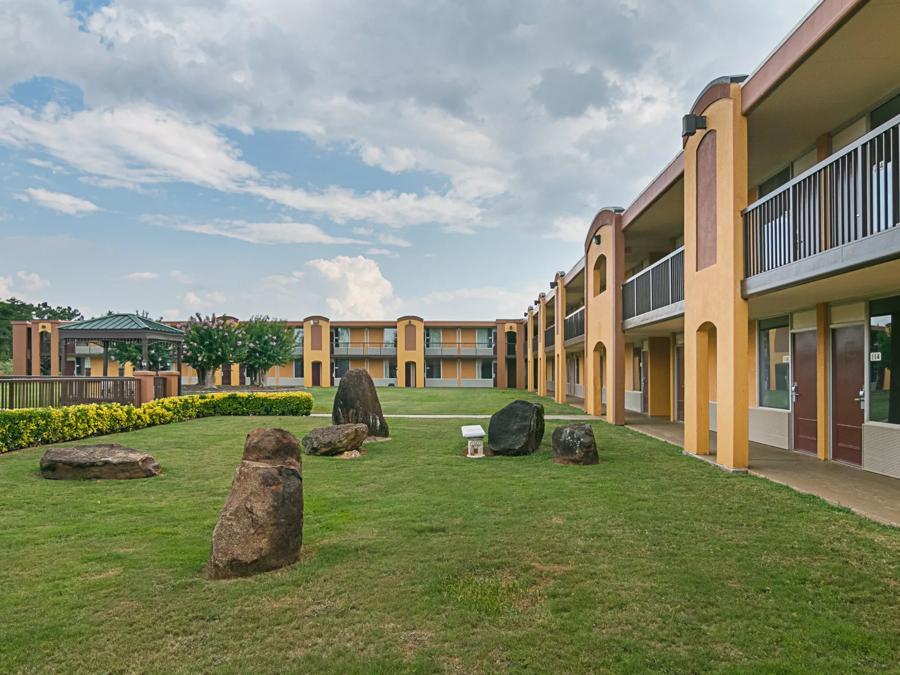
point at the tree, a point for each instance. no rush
(160, 355)
(267, 342)
(211, 342)
(14, 309)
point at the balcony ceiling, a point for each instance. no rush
(656, 229)
(575, 292)
(851, 72)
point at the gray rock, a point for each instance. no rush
(260, 527)
(517, 429)
(575, 444)
(104, 461)
(356, 402)
(335, 440)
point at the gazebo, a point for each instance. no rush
(120, 328)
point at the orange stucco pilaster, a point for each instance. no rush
(316, 349)
(410, 350)
(822, 380)
(529, 356)
(541, 354)
(715, 191)
(559, 349)
(20, 349)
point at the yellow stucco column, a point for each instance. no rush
(316, 350)
(410, 349)
(715, 193)
(529, 355)
(541, 354)
(559, 348)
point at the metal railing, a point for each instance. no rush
(352, 348)
(574, 324)
(655, 287)
(847, 197)
(55, 392)
(549, 337)
(460, 349)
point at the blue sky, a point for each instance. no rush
(360, 160)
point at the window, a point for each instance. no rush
(433, 369)
(390, 369)
(298, 339)
(885, 112)
(774, 370)
(433, 337)
(484, 338)
(339, 367)
(600, 275)
(773, 183)
(390, 340)
(340, 337)
(298, 367)
(486, 370)
(884, 352)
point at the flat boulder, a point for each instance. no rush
(575, 444)
(109, 461)
(356, 402)
(517, 429)
(335, 440)
(260, 527)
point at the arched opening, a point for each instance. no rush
(599, 383)
(45, 352)
(511, 363)
(707, 372)
(317, 373)
(600, 275)
(409, 373)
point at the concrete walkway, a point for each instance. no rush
(469, 416)
(863, 492)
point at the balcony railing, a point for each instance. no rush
(460, 349)
(549, 337)
(574, 325)
(848, 197)
(658, 286)
(363, 348)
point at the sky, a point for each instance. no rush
(357, 159)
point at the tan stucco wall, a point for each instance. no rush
(414, 352)
(322, 355)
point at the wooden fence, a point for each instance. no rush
(40, 392)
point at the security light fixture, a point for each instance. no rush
(690, 124)
(597, 239)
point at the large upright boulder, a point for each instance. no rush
(109, 461)
(575, 444)
(356, 402)
(335, 440)
(517, 429)
(261, 525)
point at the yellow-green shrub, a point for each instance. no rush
(38, 426)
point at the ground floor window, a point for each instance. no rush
(884, 353)
(298, 367)
(433, 369)
(774, 363)
(486, 370)
(339, 367)
(390, 369)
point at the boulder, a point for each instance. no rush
(575, 444)
(104, 461)
(517, 429)
(335, 440)
(260, 527)
(356, 402)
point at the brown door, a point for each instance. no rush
(847, 376)
(645, 390)
(410, 373)
(679, 387)
(226, 374)
(804, 391)
(317, 374)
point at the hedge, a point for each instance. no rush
(29, 427)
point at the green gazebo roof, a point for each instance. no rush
(116, 326)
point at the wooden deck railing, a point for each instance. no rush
(55, 392)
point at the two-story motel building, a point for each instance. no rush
(752, 290)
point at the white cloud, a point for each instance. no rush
(203, 300)
(379, 251)
(180, 277)
(44, 164)
(142, 276)
(393, 240)
(31, 281)
(58, 201)
(353, 287)
(266, 233)
(569, 228)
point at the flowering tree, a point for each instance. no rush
(159, 354)
(211, 342)
(267, 342)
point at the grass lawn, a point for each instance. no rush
(436, 400)
(417, 559)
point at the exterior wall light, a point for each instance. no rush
(691, 123)
(597, 239)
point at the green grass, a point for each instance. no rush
(435, 400)
(419, 560)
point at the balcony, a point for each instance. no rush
(840, 215)
(549, 337)
(459, 349)
(363, 349)
(573, 327)
(656, 293)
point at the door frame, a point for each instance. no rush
(864, 324)
(791, 378)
